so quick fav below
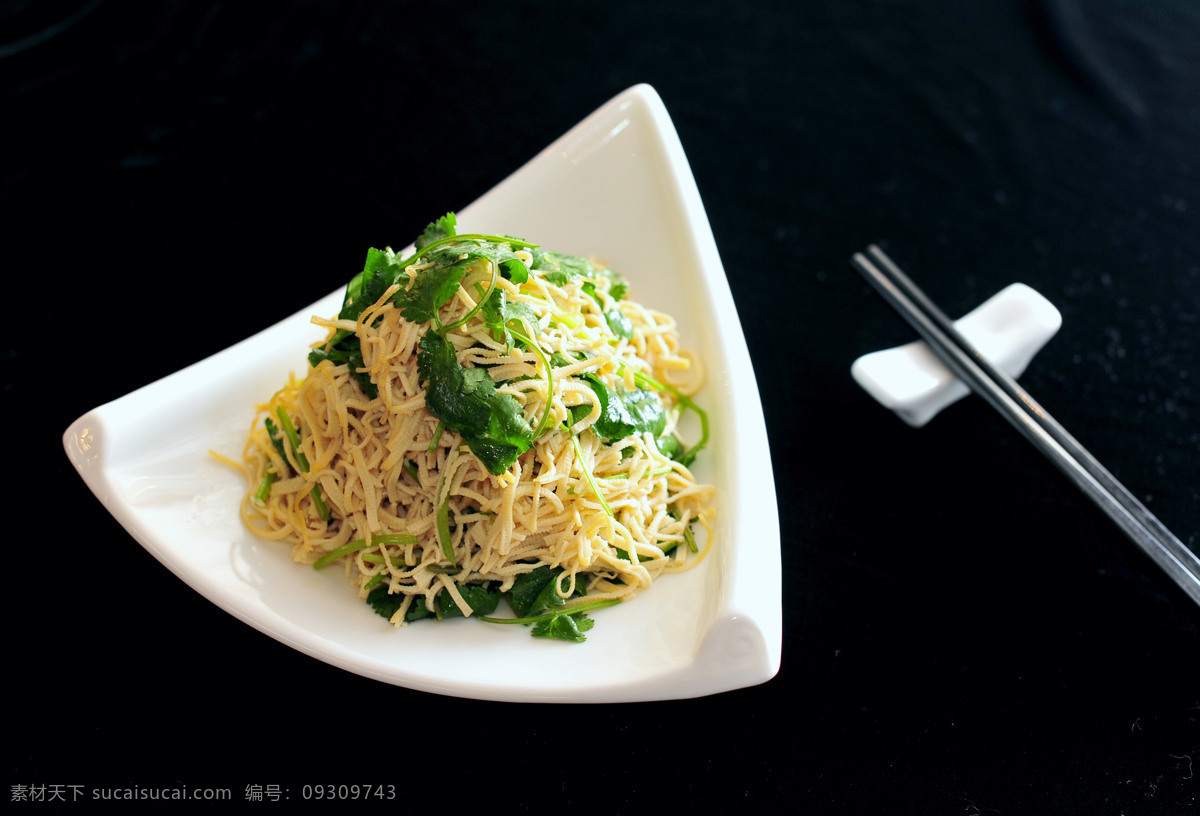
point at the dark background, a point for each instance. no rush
(964, 633)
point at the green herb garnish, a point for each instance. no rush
(467, 402)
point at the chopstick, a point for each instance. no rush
(1033, 421)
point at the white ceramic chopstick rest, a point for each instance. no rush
(1008, 329)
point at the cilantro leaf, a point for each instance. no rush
(344, 348)
(535, 592)
(433, 287)
(444, 268)
(564, 627)
(456, 396)
(386, 604)
(670, 446)
(646, 410)
(560, 269)
(514, 269)
(444, 227)
(418, 610)
(619, 323)
(499, 313)
(618, 288)
(482, 599)
(467, 402)
(623, 413)
(614, 422)
(349, 354)
(578, 412)
(379, 272)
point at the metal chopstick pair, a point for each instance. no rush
(1019, 408)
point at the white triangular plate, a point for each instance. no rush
(616, 186)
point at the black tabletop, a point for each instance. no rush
(963, 630)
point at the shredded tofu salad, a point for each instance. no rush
(486, 421)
